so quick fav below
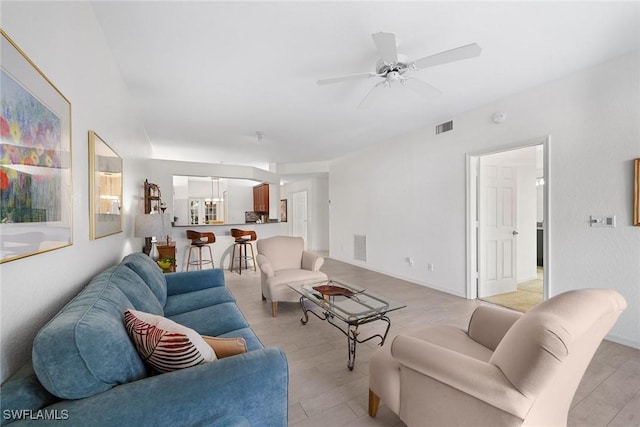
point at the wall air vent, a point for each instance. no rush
(444, 127)
(360, 247)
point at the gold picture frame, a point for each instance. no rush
(283, 210)
(36, 196)
(636, 192)
(105, 188)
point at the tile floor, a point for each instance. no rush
(323, 392)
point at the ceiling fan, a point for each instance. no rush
(392, 67)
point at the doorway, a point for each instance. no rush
(299, 211)
(506, 233)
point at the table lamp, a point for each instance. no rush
(152, 225)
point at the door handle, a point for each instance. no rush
(515, 233)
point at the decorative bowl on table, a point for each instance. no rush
(165, 264)
(332, 290)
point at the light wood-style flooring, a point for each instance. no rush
(323, 392)
(527, 295)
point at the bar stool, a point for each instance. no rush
(198, 243)
(243, 238)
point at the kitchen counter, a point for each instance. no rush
(224, 242)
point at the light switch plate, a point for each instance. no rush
(603, 221)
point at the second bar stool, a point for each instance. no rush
(243, 238)
(198, 243)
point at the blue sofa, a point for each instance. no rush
(86, 371)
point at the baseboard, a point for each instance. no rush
(407, 279)
(624, 341)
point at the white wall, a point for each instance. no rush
(240, 200)
(416, 208)
(65, 42)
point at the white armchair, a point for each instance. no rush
(507, 369)
(282, 261)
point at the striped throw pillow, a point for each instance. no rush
(165, 344)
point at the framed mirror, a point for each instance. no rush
(105, 188)
(636, 192)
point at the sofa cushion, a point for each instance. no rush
(164, 344)
(195, 300)
(189, 281)
(150, 272)
(22, 391)
(214, 320)
(135, 289)
(85, 349)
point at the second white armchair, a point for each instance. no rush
(283, 261)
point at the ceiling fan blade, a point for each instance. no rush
(349, 77)
(457, 54)
(420, 87)
(372, 95)
(386, 45)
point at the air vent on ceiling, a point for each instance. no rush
(444, 127)
(360, 247)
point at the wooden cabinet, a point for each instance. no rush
(152, 197)
(261, 198)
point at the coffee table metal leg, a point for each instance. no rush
(305, 319)
(351, 330)
(306, 311)
(352, 341)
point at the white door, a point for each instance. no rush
(300, 215)
(497, 233)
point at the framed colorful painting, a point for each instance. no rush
(105, 188)
(35, 159)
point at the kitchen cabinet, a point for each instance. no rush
(261, 198)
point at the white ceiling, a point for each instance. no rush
(207, 75)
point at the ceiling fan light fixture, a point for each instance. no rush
(392, 66)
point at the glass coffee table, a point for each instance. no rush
(349, 304)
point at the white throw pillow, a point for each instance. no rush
(165, 344)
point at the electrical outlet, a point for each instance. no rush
(410, 261)
(429, 267)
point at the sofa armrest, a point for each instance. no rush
(189, 281)
(265, 265)
(230, 389)
(311, 261)
(471, 376)
(488, 325)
